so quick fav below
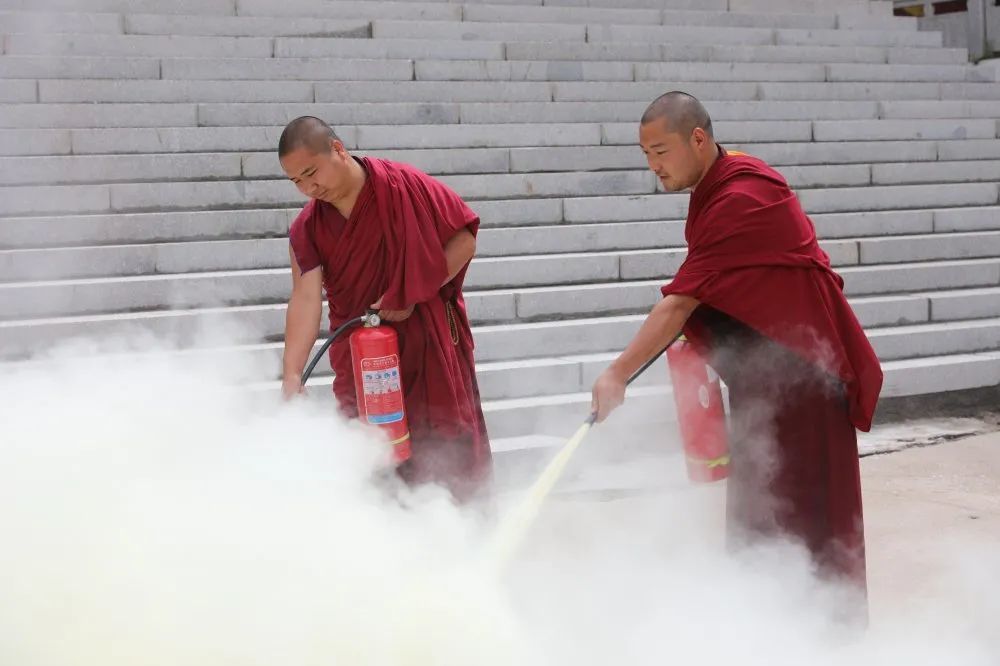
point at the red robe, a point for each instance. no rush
(800, 370)
(392, 248)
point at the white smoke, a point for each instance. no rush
(153, 515)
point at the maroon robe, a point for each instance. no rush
(802, 375)
(392, 248)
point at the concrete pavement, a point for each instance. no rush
(932, 521)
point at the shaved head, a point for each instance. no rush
(307, 132)
(681, 112)
(676, 137)
(315, 159)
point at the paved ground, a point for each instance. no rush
(932, 517)
(927, 509)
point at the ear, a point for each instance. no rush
(699, 137)
(337, 148)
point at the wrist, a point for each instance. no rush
(618, 370)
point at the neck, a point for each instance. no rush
(345, 204)
(714, 149)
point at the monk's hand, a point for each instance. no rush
(291, 387)
(608, 393)
(391, 315)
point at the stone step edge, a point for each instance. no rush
(474, 174)
(215, 59)
(858, 243)
(505, 227)
(745, 146)
(158, 277)
(527, 228)
(425, 58)
(597, 357)
(126, 317)
(484, 102)
(416, 152)
(855, 10)
(468, 199)
(351, 25)
(892, 369)
(536, 361)
(891, 388)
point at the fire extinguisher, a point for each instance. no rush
(378, 379)
(378, 382)
(700, 413)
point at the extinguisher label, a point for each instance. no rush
(383, 389)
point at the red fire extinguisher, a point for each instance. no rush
(378, 382)
(700, 413)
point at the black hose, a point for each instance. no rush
(330, 340)
(592, 419)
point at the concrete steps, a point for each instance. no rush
(631, 191)
(497, 233)
(910, 298)
(528, 250)
(250, 7)
(22, 47)
(218, 62)
(545, 285)
(788, 141)
(979, 117)
(807, 165)
(140, 192)
(541, 411)
(737, 84)
(559, 416)
(905, 325)
(346, 19)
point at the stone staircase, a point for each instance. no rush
(140, 188)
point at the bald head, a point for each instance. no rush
(676, 137)
(681, 112)
(314, 158)
(306, 132)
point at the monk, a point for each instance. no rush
(757, 297)
(383, 235)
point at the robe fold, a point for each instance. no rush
(392, 247)
(802, 375)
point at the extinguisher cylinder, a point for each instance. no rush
(701, 414)
(378, 381)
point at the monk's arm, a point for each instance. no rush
(458, 251)
(302, 319)
(661, 326)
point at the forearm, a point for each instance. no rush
(663, 324)
(458, 252)
(301, 330)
